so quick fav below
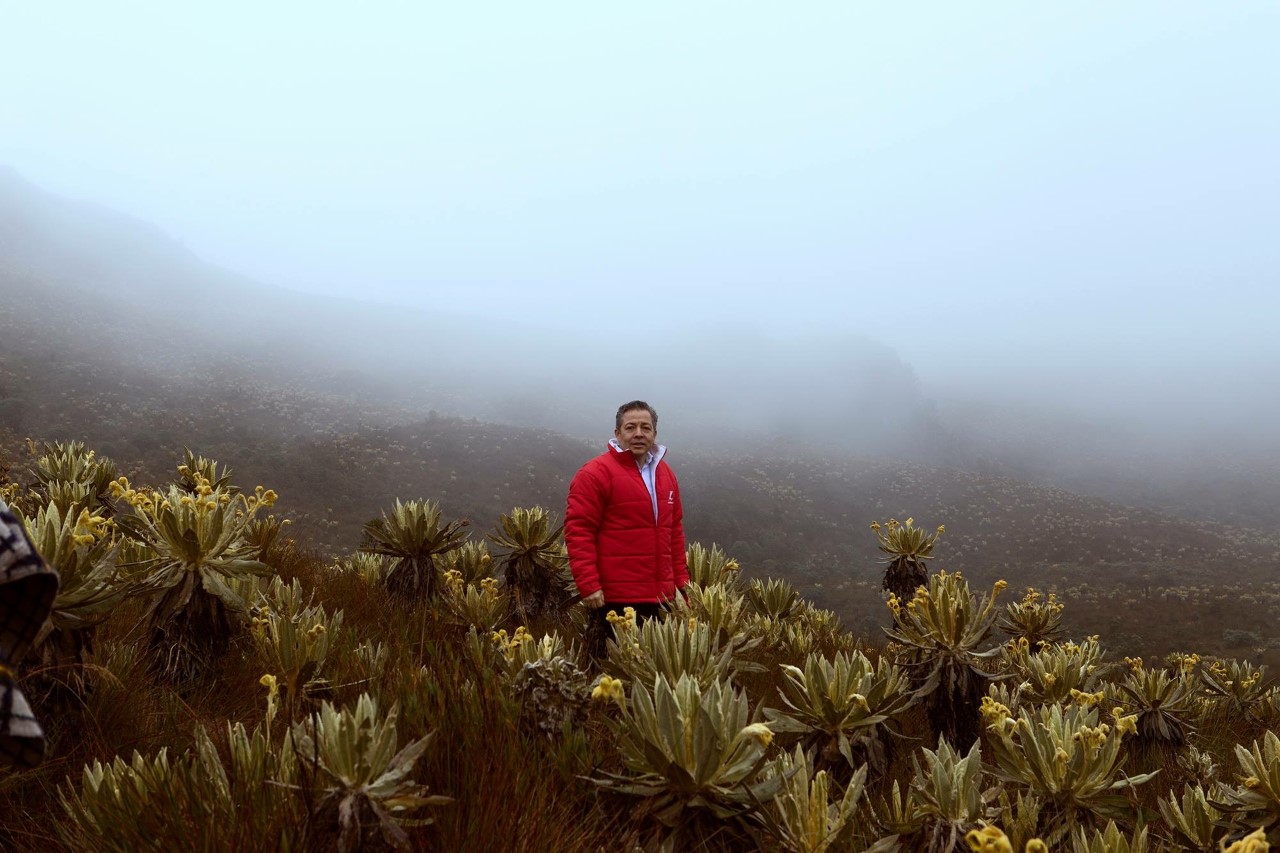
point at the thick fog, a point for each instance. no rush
(1008, 234)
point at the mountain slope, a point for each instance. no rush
(343, 429)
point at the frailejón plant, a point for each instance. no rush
(534, 569)
(842, 708)
(364, 775)
(1193, 821)
(1255, 801)
(1067, 758)
(1163, 703)
(672, 647)
(803, 819)
(1035, 618)
(74, 477)
(471, 560)
(200, 549)
(293, 635)
(709, 566)
(1056, 672)
(412, 535)
(1109, 840)
(950, 797)
(775, 599)
(941, 632)
(483, 606)
(691, 749)
(909, 549)
(83, 550)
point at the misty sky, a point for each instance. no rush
(988, 187)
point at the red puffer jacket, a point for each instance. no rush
(614, 543)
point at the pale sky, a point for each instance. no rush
(984, 186)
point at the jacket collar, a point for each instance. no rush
(659, 451)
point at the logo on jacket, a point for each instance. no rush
(671, 498)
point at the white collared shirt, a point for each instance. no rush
(648, 471)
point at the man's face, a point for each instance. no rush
(637, 432)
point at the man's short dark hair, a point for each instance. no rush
(631, 407)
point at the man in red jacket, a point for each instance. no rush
(624, 524)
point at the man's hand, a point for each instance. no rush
(595, 600)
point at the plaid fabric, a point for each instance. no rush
(27, 590)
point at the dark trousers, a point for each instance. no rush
(599, 630)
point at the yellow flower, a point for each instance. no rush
(875, 525)
(759, 732)
(1252, 782)
(608, 689)
(988, 839)
(628, 616)
(1035, 845)
(995, 715)
(1127, 725)
(942, 528)
(92, 525)
(1254, 842)
(269, 681)
(1095, 738)
(1001, 586)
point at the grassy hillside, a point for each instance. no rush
(328, 711)
(339, 452)
(338, 459)
(217, 670)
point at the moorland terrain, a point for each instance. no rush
(113, 334)
(271, 713)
